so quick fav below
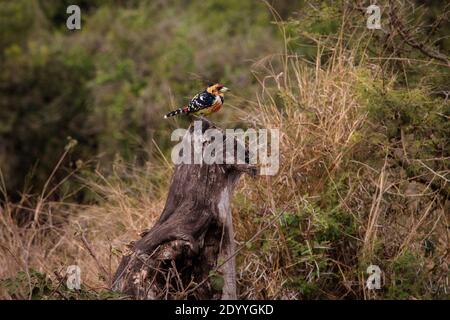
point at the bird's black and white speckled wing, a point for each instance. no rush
(201, 101)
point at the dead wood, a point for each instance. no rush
(189, 252)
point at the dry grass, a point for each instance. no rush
(349, 201)
(90, 236)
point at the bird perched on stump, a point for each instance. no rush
(203, 103)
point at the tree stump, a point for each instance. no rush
(189, 252)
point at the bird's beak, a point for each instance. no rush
(224, 89)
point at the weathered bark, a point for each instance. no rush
(189, 252)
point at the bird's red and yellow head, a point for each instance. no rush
(217, 89)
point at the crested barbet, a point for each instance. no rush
(203, 103)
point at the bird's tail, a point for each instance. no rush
(175, 112)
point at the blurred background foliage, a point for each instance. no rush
(108, 85)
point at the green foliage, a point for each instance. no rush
(313, 236)
(16, 21)
(413, 117)
(217, 280)
(109, 84)
(38, 286)
(407, 278)
(316, 21)
(43, 101)
(308, 290)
